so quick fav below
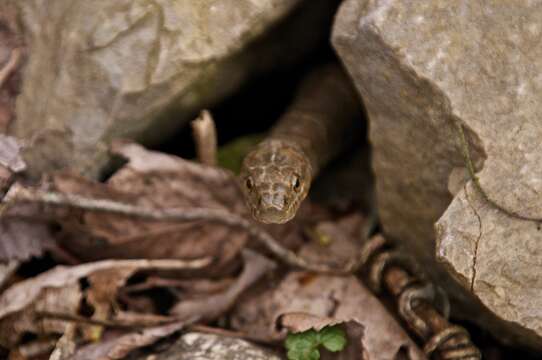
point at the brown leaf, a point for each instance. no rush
(339, 298)
(211, 307)
(354, 350)
(58, 291)
(120, 346)
(335, 243)
(155, 180)
(21, 239)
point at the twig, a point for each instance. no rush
(11, 65)
(204, 132)
(105, 323)
(18, 193)
(228, 333)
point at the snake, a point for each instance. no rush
(276, 176)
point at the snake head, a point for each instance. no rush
(275, 178)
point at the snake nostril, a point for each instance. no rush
(285, 202)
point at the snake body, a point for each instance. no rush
(276, 175)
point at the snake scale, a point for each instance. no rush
(276, 175)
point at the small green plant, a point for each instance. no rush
(304, 346)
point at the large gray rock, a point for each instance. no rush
(139, 69)
(423, 69)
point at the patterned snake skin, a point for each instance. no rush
(277, 174)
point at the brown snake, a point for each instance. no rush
(277, 174)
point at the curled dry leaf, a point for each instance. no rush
(155, 180)
(212, 306)
(339, 298)
(58, 291)
(119, 346)
(354, 350)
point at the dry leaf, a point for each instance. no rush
(58, 291)
(340, 298)
(335, 243)
(210, 307)
(21, 239)
(155, 180)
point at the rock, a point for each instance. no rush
(140, 69)
(195, 345)
(424, 70)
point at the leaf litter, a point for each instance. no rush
(110, 303)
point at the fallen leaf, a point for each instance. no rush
(59, 291)
(339, 298)
(21, 239)
(335, 243)
(120, 346)
(210, 307)
(155, 180)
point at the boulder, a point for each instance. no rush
(140, 69)
(428, 74)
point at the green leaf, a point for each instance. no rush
(303, 346)
(332, 338)
(305, 354)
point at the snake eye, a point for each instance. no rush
(296, 184)
(249, 183)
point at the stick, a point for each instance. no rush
(204, 132)
(19, 193)
(10, 66)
